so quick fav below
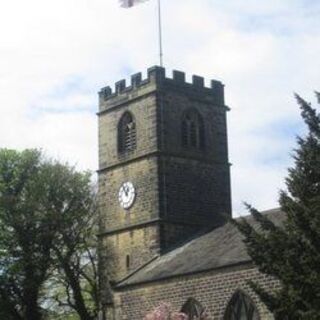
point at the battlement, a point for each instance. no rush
(156, 77)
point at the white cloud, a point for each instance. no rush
(55, 56)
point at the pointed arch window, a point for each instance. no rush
(194, 309)
(127, 135)
(241, 307)
(192, 133)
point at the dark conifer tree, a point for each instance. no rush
(291, 252)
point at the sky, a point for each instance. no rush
(56, 55)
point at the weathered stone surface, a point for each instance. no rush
(179, 190)
(213, 289)
(160, 249)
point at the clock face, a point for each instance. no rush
(127, 195)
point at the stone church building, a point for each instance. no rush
(164, 193)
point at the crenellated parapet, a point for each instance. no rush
(157, 80)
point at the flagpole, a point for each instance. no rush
(160, 33)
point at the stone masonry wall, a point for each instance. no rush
(138, 245)
(144, 113)
(177, 191)
(213, 290)
(196, 192)
(144, 176)
(194, 183)
(174, 105)
(126, 242)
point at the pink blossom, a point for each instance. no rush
(163, 312)
(179, 316)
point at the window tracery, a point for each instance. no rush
(127, 135)
(241, 307)
(194, 310)
(192, 135)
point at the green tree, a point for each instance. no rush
(26, 233)
(75, 249)
(291, 252)
(44, 206)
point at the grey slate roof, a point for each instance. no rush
(218, 248)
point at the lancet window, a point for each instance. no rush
(241, 307)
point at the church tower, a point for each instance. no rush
(163, 166)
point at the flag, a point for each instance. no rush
(130, 3)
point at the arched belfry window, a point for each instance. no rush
(127, 135)
(192, 131)
(241, 307)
